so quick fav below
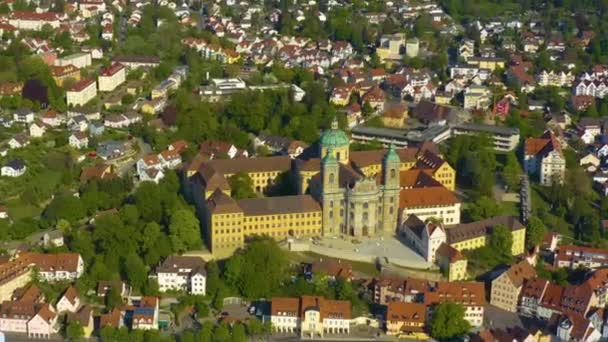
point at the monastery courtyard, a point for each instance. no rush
(369, 249)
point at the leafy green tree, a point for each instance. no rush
(512, 171)
(184, 230)
(221, 333)
(448, 321)
(65, 207)
(148, 201)
(113, 298)
(254, 327)
(187, 336)
(238, 333)
(74, 331)
(107, 333)
(206, 332)
(135, 270)
(484, 207)
(535, 231)
(241, 186)
(501, 240)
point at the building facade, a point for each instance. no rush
(182, 273)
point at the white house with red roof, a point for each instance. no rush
(82, 92)
(544, 157)
(110, 78)
(33, 21)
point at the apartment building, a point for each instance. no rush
(389, 290)
(507, 287)
(32, 20)
(544, 158)
(111, 77)
(573, 257)
(475, 234)
(182, 273)
(79, 60)
(406, 320)
(82, 92)
(55, 267)
(310, 316)
(504, 138)
(471, 295)
(62, 73)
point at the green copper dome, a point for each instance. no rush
(334, 137)
(391, 155)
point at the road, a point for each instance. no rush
(144, 149)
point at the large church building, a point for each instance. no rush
(339, 193)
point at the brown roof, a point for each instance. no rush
(182, 265)
(541, 146)
(83, 84)
(111, 319)
(552, 297)
(407, 312)
(285, 306)
(281, 306)
(53, 262)
(422, 197)
(212, 180)
(263, 164)
(220, 203)
(12, 269)
(467, 231)
(449, 252)
(101, 171)
(46, 313)
(417, 178)
(465, 293)
(534, 288)
(333, 267)
(278, 205)
(28, 294)
(427, 111)
(82, 316)
(71, 294)
(519, 272)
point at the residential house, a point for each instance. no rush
(507, 287)
(19, 141)
(110, 149)
(100, 171)
(14, 168)
(23, 115)
(279, 145)
(531, 296)
(14, 274)
(80, 60)
(145, 314)
(544, 157)
(575, 327)
(78, 123)
(182, 273)
(37, 129)
(79, 140)
(32, 20)
(69, 301)
(84, 317)
(96, 128)
(51, 118)
(43, 324)
(590, 162)
(395, 116)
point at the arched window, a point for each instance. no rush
(331, 178)
(365, 205)
(392, 173)
(338, 155)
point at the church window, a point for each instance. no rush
(365, 205)
(338, 155)
(392, 173)
(331, 178)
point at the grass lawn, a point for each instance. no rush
(509, 208)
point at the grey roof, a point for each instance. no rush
(483, 128)
(16, 164)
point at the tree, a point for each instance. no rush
(135, 270)
(254, 327)
(148, 201)
(448, 321)
(535, 232)
(113, 298)
(74, 330)
(512, 171)
(221, 333)
(206, 332)
(484, 207)
(107, 333)
(184, 230)
(241, 186)
(238, 333)
(501, 240)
